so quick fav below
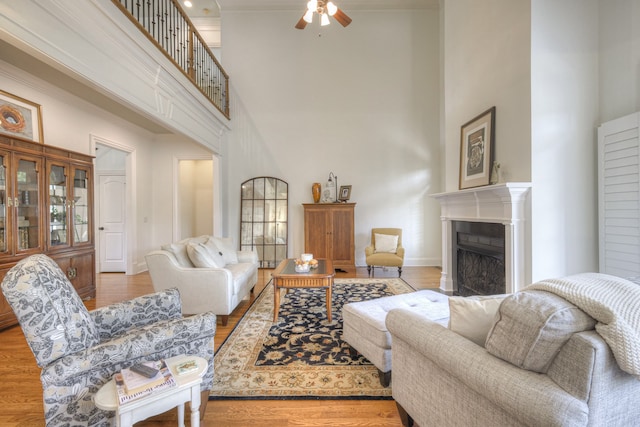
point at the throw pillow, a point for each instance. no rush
(531, 328)
(214, 252)
(226, 247)
(201, 257)
(473, 317)
(386, 243)
(179, 250)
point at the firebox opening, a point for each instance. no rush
(479, 251)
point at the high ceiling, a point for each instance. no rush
(343, 4)
(210, 8)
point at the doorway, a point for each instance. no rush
(195, 198)
(113, 205)
(112, 222)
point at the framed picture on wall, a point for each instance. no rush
(345, 193)
(19, 117)
(476, 150)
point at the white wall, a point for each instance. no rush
(579, 66)
(68, 122)
(619, 44)
(168, 151)
(564, 116)
(486, 63)
(361, 102)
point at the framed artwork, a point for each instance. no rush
(476, 150)
(345, 193)
(19, 117)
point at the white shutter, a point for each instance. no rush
(619, 196)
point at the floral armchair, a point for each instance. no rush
(79, 350)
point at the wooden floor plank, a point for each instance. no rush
(21, 390)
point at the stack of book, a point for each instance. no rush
(131, 385)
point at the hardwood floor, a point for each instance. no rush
(21, 390)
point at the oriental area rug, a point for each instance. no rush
(302, 355)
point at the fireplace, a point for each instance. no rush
(490, 248)
(479, 265)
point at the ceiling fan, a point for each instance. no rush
(325, 9)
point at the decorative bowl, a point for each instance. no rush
(303, 268)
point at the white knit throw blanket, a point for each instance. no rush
(614, 303)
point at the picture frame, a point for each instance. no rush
(20, 117)
(476, 149)
(345, 193)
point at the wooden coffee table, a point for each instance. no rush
(285, 276)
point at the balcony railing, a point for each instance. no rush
(166, 25)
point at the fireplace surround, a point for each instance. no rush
(504, 205)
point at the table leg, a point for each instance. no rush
(181, 415)
(329, 303)
(195, 406)
(124, 420)
(276, 301)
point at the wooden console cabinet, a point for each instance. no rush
(329, 233)
(46, 206)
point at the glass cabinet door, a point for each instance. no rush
(58, 205)
(3, 203)
(263, 219)
(26, 202)
(80, 213)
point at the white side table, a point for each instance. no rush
(187, 390)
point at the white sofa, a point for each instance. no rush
(209, 273)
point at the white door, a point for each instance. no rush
(111, 223)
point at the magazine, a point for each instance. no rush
(166, 382)
(134, 382)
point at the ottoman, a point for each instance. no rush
(364, 326)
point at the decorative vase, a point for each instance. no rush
(316, 189)
(495, 173)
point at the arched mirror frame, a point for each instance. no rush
(264, 219)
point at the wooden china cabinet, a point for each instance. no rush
(46, 206)
(329, 233)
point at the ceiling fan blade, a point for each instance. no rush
(342, 18)
(301, 23)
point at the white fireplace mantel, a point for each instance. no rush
(501, 203)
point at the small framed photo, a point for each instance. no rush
(345, 193)
(19, 117)
(476, 150)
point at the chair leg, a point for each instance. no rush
(399, 271)
(224, 320)
(405, 418)
(204, 398)
(385, 378)
(369, 270)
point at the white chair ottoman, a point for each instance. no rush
(364, 326)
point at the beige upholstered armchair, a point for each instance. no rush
(385, 249)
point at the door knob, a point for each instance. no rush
(100, 228)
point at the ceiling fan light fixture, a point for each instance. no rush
(331, 8)
(308, 17)
(325, 9)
